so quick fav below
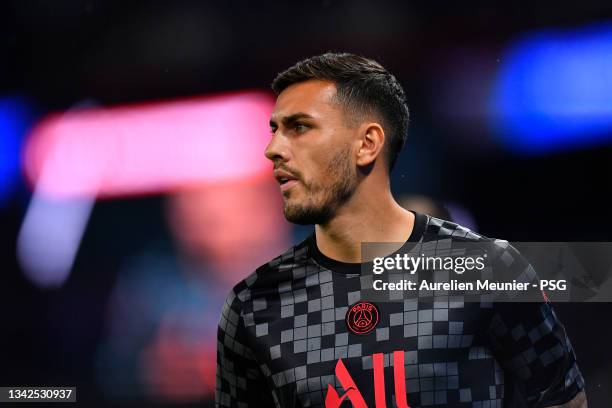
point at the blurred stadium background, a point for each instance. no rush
(134, 191)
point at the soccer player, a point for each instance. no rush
(298, 333)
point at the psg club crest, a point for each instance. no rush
(362, 317)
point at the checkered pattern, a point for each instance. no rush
(282, 332)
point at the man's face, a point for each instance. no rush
(312, 150)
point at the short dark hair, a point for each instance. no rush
(363, 87)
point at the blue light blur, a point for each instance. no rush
(14, 122)
(554, 91)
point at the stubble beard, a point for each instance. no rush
(322, 203)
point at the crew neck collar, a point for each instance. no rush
(420, 221)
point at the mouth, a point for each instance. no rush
(287, 184)
(285, 179)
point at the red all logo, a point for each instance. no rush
(362, 317)
(352, 393)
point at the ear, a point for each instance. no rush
(371, 142)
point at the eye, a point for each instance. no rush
(301, 128)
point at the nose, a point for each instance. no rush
(277, 149)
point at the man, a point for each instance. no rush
(297, 332)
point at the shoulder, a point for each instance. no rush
(503, 262)
(437, 229)
(268, 276)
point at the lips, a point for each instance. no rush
(284, 177)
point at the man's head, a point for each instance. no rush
(337, 118)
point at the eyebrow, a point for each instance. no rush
(291, 119)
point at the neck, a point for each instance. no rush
(369, 216)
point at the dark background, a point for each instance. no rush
(57, 54)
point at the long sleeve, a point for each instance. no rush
(531, 344)
(240, 382)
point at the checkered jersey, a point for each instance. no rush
(283, 340)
